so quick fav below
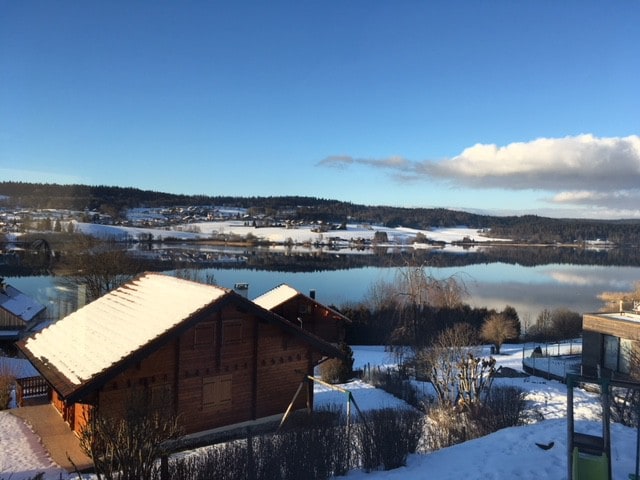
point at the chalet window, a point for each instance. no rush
(304, 309)
(232, 332)
(216, 391)
(203, 334)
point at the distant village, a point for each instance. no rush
(58, 220)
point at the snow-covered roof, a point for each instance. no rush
(119, 323)
(19, 304)
(276, 296)
(283, 293)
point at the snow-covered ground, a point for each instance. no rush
(300, 235)
(507, 454)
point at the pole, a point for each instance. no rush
(570, 427)
(637, 477)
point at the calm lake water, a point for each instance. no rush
(492, 285)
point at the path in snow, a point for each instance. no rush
(21, 453)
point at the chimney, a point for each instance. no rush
(312, 294)
(242, 288)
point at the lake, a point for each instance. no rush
(529, 289)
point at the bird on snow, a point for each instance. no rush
(545, 447)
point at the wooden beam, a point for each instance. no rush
(290, 407)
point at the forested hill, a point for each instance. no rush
(114, 201)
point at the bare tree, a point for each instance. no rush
(557, 324)
(566, 323)
(127, 447)
(414, 291)
(380, 295)
(196, 275)
(497, 329)
(103, 270)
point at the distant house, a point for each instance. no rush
(19, 313)
(305, 312)
(610, 343)
(209, 355)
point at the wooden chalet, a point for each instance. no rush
(305, 312)
(610, 344)
(19, 313)
(209, 355)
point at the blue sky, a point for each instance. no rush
(492, 106)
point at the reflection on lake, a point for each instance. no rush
(492, 285)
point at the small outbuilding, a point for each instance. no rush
(207, 354)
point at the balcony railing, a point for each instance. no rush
(30, 388)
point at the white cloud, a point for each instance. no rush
(579, 163)
(582, 170)
(336, 161)
(342, 161)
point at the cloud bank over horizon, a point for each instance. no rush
(583, 170)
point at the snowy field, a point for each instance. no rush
(204, 230)
(507, 454)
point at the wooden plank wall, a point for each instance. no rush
(595, 327)
(621, 328)
(10, 321)
(282, 364)
(314, 318)
(264, 363)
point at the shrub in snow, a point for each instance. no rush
(448, 425)
(387, 437)
(393, 382)
(625, 405)
(7, 381)
(309, 446)
(336, 370)
(507, 407)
